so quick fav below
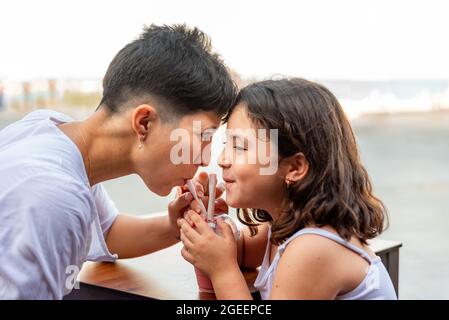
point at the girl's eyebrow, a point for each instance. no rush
(243, 139)
(233, 135)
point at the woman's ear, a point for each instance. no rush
(298, 167)
(142, 118)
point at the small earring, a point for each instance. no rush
(140, 143)
(288, 183)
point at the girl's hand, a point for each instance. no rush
(220, 207)
(211, 253)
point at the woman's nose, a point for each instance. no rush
(206, 155)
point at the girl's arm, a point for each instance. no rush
(251, 250)
(215, 255)
(231, 285)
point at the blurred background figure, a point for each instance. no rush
(26, 96)
(51, 93)
(2, 96)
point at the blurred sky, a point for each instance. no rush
(341, 39)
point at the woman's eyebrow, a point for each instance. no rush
(210, 128)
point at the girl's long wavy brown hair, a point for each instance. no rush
(336, 191)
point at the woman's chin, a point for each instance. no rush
(161, 191)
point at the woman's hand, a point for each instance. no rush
(201, 184)
(179, 206)
(211, 253)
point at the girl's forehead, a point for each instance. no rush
(239, 118)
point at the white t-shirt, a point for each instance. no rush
(51, 219)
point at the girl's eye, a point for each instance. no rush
(237, 147)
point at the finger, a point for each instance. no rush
(195, 206)
(203, 179)
(186, 255)
(201, 226)
(180, 221)
(219, 189)
(178, 191)
(186, 217)
(180, 203)
(190, 232)
(221, 206)
(198, 188)
(184, 188)
(225, 229)
(187, 243)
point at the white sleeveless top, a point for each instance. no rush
(376, 285)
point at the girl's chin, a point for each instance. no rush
(235, 203)
(231, 201)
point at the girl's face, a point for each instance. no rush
(243, 158)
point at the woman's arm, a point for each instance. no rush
(132, 236)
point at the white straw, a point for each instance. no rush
(211, 205)
(195, 196)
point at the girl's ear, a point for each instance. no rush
(298, 167)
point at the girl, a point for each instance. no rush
(309, 222)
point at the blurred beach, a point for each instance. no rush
(407, 156)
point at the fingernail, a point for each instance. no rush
(188, 196)
(200, 194)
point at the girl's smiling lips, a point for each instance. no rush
(227, 180)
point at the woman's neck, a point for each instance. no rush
(105, 146)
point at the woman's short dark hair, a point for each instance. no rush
(175, 66)
(336, 190)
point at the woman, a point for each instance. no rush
(54, 213)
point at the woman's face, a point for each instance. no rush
(172, 153)
(243, 160)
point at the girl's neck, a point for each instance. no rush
(275, 210)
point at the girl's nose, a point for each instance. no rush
(223, 162)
